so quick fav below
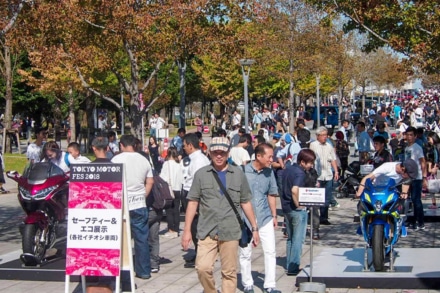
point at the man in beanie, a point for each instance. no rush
(218, 229)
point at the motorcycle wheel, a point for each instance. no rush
(31, 241)
(378, 248)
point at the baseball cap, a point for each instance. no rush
(393, 135)
(288, 138)
(276, 135)
(411, 168)
(219, 144)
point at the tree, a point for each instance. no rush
(409, 27)
(9, 13)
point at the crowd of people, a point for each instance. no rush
(239, 170)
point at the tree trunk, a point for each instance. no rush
(72, 115)
(8, 94)
(182, 74)
(291, 99)
(341, 93)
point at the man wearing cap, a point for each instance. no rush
(392, 170)
(218, 229)
(415, 152)
(289, 152)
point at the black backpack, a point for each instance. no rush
(160, 197)
(303, 136)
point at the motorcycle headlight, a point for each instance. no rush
(25, 194)
(39, 195)
(367, 197)
(378, 205)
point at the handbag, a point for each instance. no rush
(433, 184)
(246, 233)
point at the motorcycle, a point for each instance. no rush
(348, 185)
(380, 221)
(43, 195)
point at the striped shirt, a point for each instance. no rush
(326, 154)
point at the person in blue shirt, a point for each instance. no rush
(264, 189)
(296, 215)
(364, 143)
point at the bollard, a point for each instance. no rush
(312, 287)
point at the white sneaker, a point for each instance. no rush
(170, 235)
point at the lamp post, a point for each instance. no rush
(246, 68)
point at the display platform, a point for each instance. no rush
(11, 268)
(415, 268)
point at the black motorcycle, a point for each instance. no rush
(350, 182)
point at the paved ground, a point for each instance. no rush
(174, 278)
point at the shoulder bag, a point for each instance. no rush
(246, 233)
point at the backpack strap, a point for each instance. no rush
(66, 159)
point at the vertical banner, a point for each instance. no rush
(94, 231)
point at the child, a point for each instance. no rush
(73, 150)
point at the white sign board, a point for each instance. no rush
(311, 196)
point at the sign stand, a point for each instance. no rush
(311, 198)
(99, 235)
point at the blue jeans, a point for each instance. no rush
(296, 227)
(328, 185)
(139, 233)
(416, 198)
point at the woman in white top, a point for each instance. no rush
(52, 153)
(172, 173)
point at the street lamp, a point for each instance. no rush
(246, 68)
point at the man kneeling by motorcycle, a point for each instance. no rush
(393, 170)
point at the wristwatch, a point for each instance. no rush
(254, 229)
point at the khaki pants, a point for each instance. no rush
(207, 252)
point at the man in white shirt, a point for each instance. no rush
(160, 123)
(344, 129)
(236, 118)
(191, 164)
(139, 182)
(415, 152)
(329, 169)
(33, 152)
(152, 124)
(392, 170)
(238, 154)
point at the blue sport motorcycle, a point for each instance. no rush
(381, 222)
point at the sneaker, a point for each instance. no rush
(143, 277)
(155, 270)
(271, 290)
(422, 227)
(170, 235)
(337, 205)
(248, 290)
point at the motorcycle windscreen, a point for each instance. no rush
(39, 172)
(380, 183)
